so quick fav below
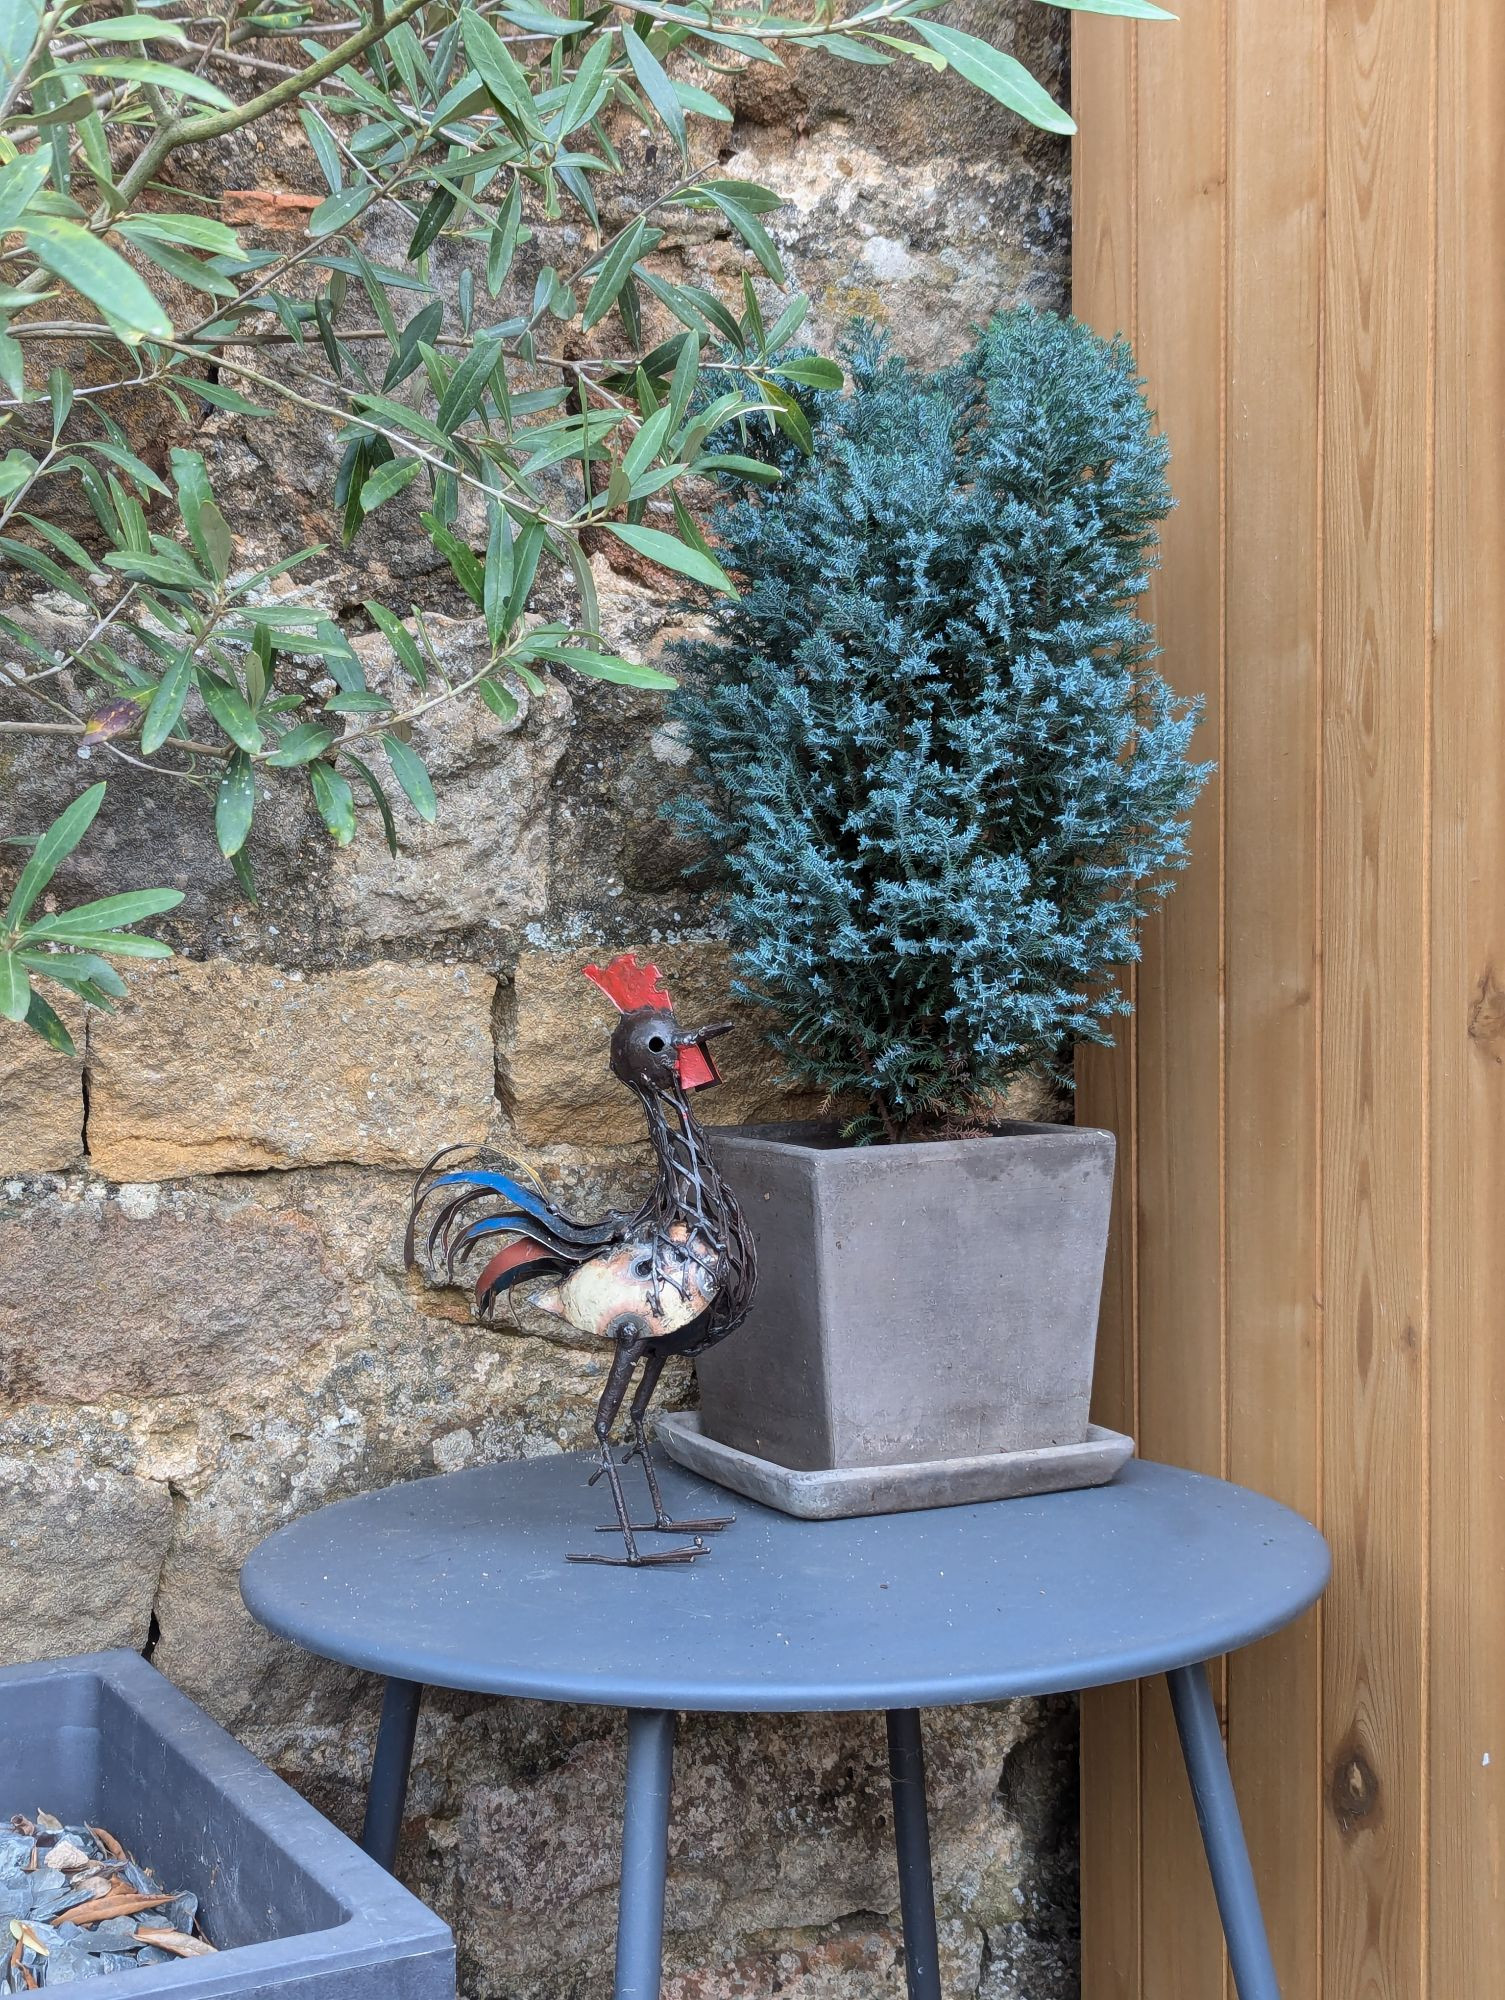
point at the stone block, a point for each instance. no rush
(485, 858)
(81, 1550)
(41, 1097)
(140, 1294)
(217, 1068)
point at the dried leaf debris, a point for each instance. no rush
(75, 1905)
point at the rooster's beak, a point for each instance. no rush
(697, 1066)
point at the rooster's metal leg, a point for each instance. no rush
(653, 1367)
(627, 1356)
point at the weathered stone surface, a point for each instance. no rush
(869, 1962)
(148, 1292)
(780, 1836)
(214, 1068)
(617, 866)
(1029, 1902)
(555, 1082)
(250, 1347)
(80, 1552)
(484, 861)
(255, 1346)
(153, 832)
(41, 1096)
(914, 200)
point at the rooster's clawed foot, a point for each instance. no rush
(635, 1559)
(662, 1524)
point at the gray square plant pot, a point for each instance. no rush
(916, 1304)
(297, 1910)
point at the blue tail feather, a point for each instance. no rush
(518, 1225)
(524, 1198)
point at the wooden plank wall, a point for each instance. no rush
(1296, 210)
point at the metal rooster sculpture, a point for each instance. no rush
(673, 1277)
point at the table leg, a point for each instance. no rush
(389, 1771)
(645, 1854)
(1222, 1834)
(906, 1772)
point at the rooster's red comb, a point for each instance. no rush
(628, 985)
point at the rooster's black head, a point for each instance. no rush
(649, 1049)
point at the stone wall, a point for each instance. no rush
(205, 1327)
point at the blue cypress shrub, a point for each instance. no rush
(946, 781)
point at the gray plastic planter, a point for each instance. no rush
(299, 1913)
(915, 1303)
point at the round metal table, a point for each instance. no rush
(462, 1582)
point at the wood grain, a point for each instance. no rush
(1378, 265)
(1103, 282)
(1308, 1292)
(1307, 1289)
(1179, 223)
(1466, 1725)
(1181, 240)
(1272, 792)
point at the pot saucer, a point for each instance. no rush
(894, 1489)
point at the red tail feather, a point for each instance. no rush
(523, 1251)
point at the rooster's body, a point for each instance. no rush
(673, 1277)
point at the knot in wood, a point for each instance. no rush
(1354, 1791)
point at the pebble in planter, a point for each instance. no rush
(947, 785)
(75, 1905)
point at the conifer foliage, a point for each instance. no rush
(947, 780)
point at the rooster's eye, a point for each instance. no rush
(655, 1042)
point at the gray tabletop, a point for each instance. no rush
(461, 1582)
